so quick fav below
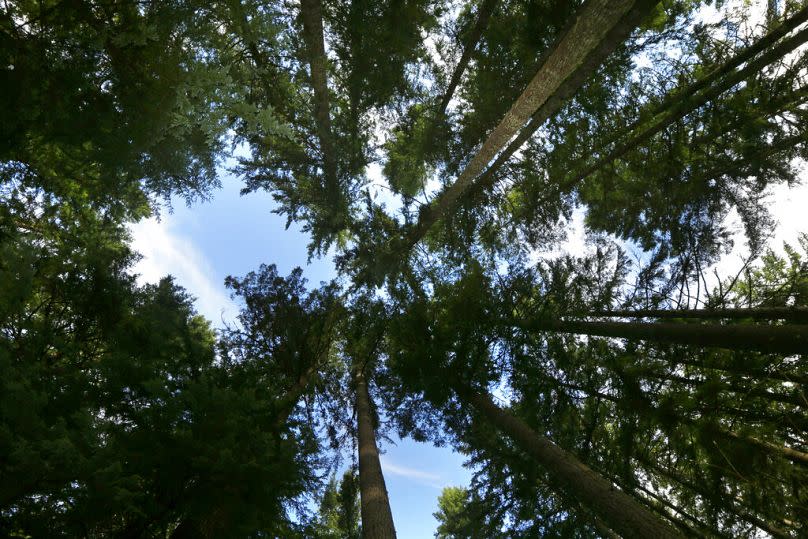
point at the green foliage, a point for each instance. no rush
(122, 413)
(338, 516)
(452, 515)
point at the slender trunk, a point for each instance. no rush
(741, 370)
(617, 509)
(676, 509)
(483, 14)
(731, 507)
(744, 55)
(377, 519)
(778, 450)
(311, 11)
(795, 399)
(286, 404)
(758, 313)
(590, 32)
(790, 339)
(687, 104)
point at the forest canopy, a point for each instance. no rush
(437, 152)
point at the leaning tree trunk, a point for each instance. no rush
(483, 14)
(618, 510)
(617, 35)
(377, 519)
(680, 108)
(757, 313)
(788, 339)
(590, 31)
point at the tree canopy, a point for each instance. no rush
(438, 151)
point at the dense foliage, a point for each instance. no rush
(439, 150)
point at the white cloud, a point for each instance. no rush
(167, 252)
(419, 476)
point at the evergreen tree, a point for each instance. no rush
(593, 398)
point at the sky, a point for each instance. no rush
(233, 235)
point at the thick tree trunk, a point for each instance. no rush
(617, 509)
(757, 313)
(789, 339)
(616, 36)
(377, 519)
(311, 11)
(590, 32)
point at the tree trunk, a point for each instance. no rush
(617, 509)
(777, 450)
(377, 519)
(286, 404)
(731, 507)
(483, 14)
(794, 399)
(312, 16)
(616, 36)
(758, 313)
(740, 370)
(588, 33)
(790, 339)
(686, 104)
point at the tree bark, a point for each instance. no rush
(617, 35)
(617, 509)
(311, 12)
(789, 339)
(591, 32)
(757, 313)
(731, 507)
(377, 519)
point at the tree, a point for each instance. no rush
(339, 508)
(455, 522)
(491, 122)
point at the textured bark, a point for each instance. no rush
(685, 104)
(618, 510)
(590, 33)
(311, 11)
(790, 339)
(616, 36)
(377, 519)
(758, 313)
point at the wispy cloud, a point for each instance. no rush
(419, 476)
(165, 252)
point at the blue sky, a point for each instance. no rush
(232, 235)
